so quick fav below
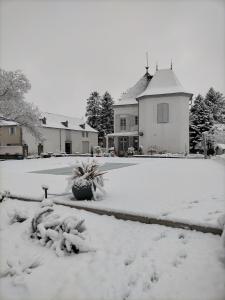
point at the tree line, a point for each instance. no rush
(205, 113)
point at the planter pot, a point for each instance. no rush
(83, 192)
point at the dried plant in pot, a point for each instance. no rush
(86, 179)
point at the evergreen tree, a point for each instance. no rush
(201, 120)
(106, 115)
(93, 110)
(216, 104)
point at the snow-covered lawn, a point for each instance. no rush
(191, 190)
(130, 261)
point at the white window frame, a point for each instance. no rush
(12, 130)
(123, 124)
(162, 113)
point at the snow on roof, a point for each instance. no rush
(7, 123)
(163, 82)
(129, 97)
(56, 121)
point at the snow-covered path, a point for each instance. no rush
(184, 189)
(131, 261)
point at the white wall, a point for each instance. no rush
(11, 150)
(171, 137)
(128, 111)
(54, 140)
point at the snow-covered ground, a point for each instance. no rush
(184, 189)
(129, 261)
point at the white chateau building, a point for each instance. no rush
(153, 115)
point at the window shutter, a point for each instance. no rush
(162, 113)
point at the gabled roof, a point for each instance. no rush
(129, 97)
(163, 82)
(59, 121)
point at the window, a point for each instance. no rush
(123, 124)
(86, 134)
(136, 120)
(12, 130)
(162, 113)
(83, 134)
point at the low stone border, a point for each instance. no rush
(128, 216)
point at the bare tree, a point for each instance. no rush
(13, 86)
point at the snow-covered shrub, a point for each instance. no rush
(4, 195)
(98, 150)
(130, 151)
(153, 149)
(140, 150)
(221, 222)
(18, 267)
(18, 216)
(87, 174)
(62, 234)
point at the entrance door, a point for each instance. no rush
(123, 145)
(68, 147)
(40, 149)
(85, 147)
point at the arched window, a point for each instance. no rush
(163, 113)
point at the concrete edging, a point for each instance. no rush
(129, 216)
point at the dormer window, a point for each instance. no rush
(65, 123)
(43, 121)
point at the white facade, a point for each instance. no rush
(61, 134)
(172, 137)
(155, 111)
(55, 140)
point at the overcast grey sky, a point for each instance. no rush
(69, 48)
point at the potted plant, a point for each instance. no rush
(86, 178)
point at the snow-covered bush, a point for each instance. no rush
(221, 222)
(87, 174)
(130, 151)
(98, 150)
(18, 267)
(140, 150)
(18, 216)
(62, 234)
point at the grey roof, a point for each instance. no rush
(129, 97)
(163, 82)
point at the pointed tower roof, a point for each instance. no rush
(163, 82)
(129, 97)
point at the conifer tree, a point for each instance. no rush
(106, 115)
(201, 120)
(93, 110)
(216, 104)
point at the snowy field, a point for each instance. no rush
(190, 190)
(128, 261)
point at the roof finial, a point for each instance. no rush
(147, 67)
(156, 67)
(171, 64)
